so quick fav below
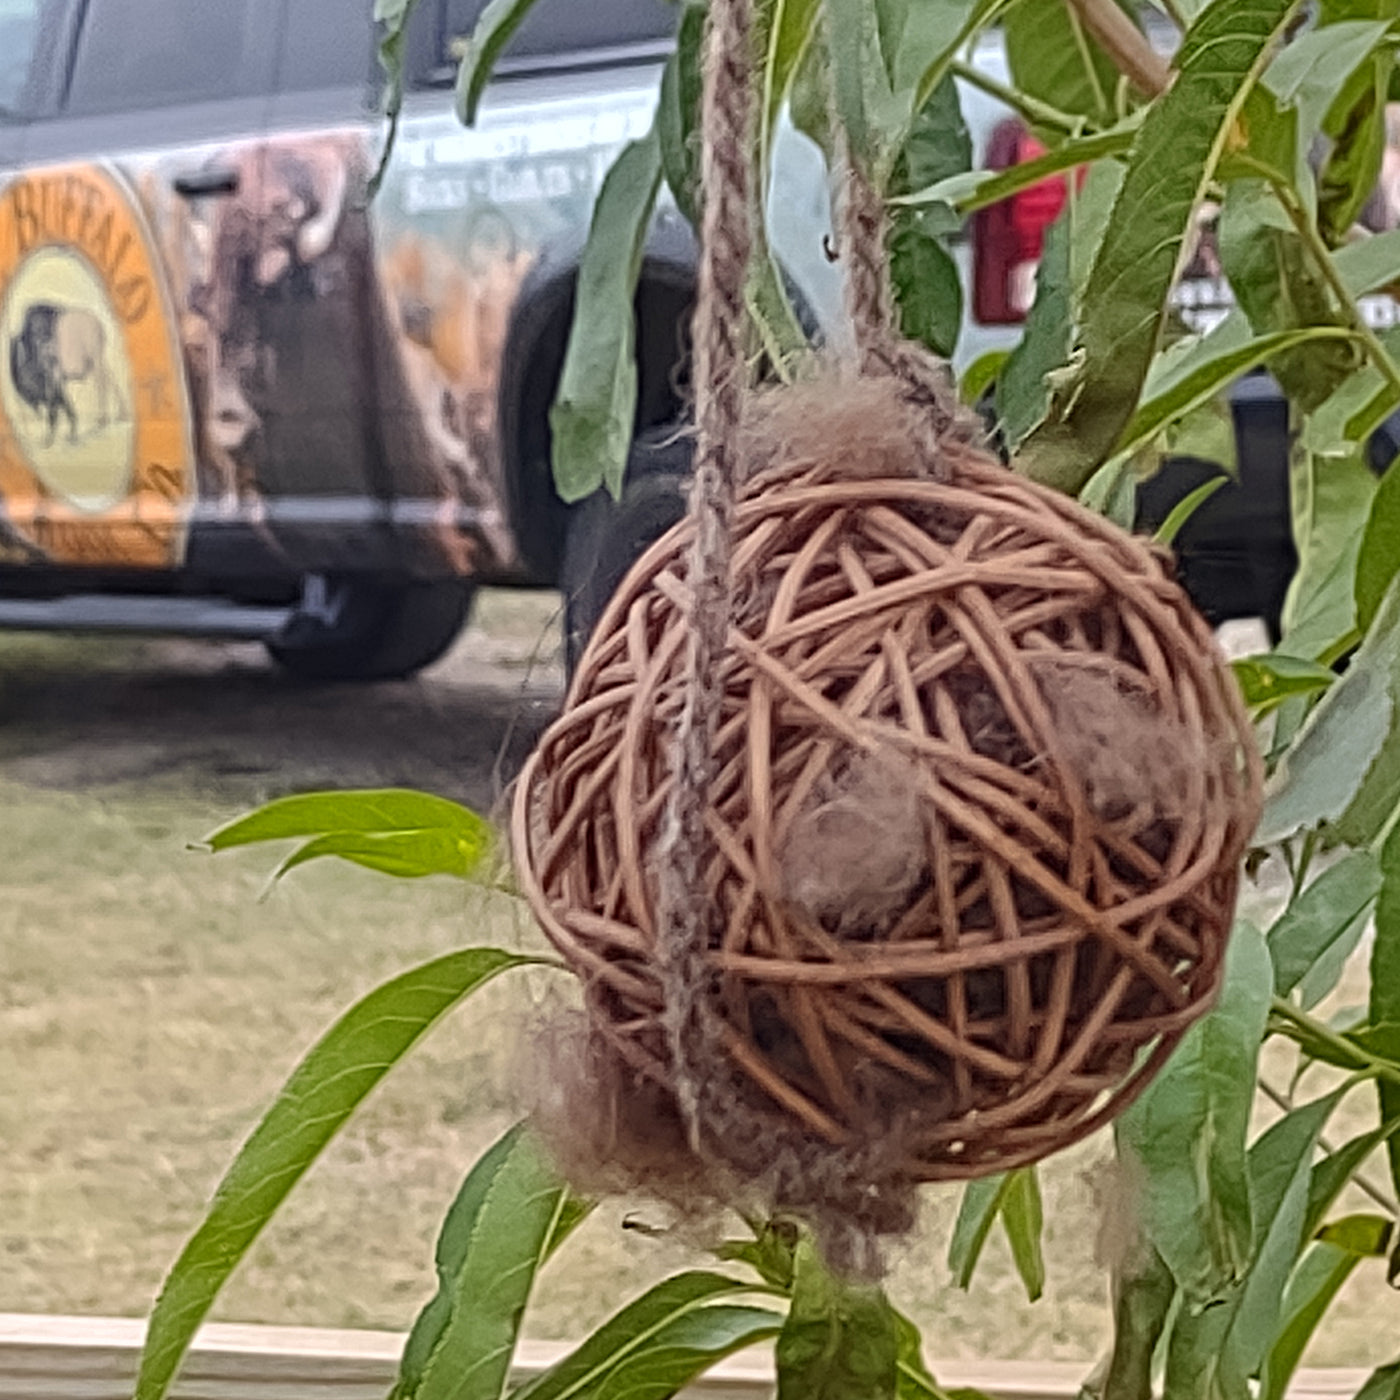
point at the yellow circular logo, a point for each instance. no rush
(95, 461)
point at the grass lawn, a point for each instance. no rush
(151, 1002)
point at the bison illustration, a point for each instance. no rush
(57, 346)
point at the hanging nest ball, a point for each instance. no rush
(983, 785)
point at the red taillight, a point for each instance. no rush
(1008, 237)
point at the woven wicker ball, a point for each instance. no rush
(984, 784)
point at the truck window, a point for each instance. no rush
(566, 26)
(199, 51)
(554, 29)
(19, 37)
(325, 45)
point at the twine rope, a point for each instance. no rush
(726, 240)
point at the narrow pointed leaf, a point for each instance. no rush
(454, 1253)
(499, 1249)
(406, 855)
(1184, 509)
(1379, 560)
(1321, 915)
(977, 189)
(1384, 1384)
(1267, 680)
(371, 811)
(1187, 1132)
(480, 50)
(324, 1090)
(1333, 1172)
(1341, 768)
(1321, 1272)
(659, 1343)
(977, 1214)
(1280, 1175)
(1023, 1217)
(595, 409)
(1168, 174)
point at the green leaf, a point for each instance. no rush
(372, 811)
(1321, 1272)
(1384, 1384)
(1369, 264)
(1356, 124)
(1054, 59)
(1143, 1297)
(500, 1241)
(1184, 509)
(1330, 501)
(1023, 1217)
(981, 375)
(860, 83)
(458, 1248)
(840, 1340)
(1280, 1174)
(1363, 1234)
(658, 1344)
(1270, 678)
(1379, 559)
(787, 28)
(1024, 388)
(594, 411)
(1384, 1004)
(1206, 376)
(928, 288)
(1331, 1175)
(391, 830)
(769, 1253)
(977, 189)
(1112, 492)
(1320, 916)
(1280, 288)
(678, 115)
(1311, 70)
(1187, 1132)
(494, 30)
(977, 1213)
(939, 145)
(1169, 171)
(932, 35)
(324, 1090)
(916, 1381)
(1344, 766)
(407, 855)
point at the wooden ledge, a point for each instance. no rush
(94, 1358)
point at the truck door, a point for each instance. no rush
(139, 181)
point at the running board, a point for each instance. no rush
(143, 613)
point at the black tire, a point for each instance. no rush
(606, 537)
(370, 631)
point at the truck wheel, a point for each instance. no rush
(356, 630)
(606, 537)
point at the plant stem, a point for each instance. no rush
(1363, 1182)
(1031, 108)
(1322, 256)
(1369, 1067)
(1125, 44)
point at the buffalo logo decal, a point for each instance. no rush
(95, 463)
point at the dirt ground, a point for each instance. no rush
(152, 999)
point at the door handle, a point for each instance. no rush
(195, 183)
